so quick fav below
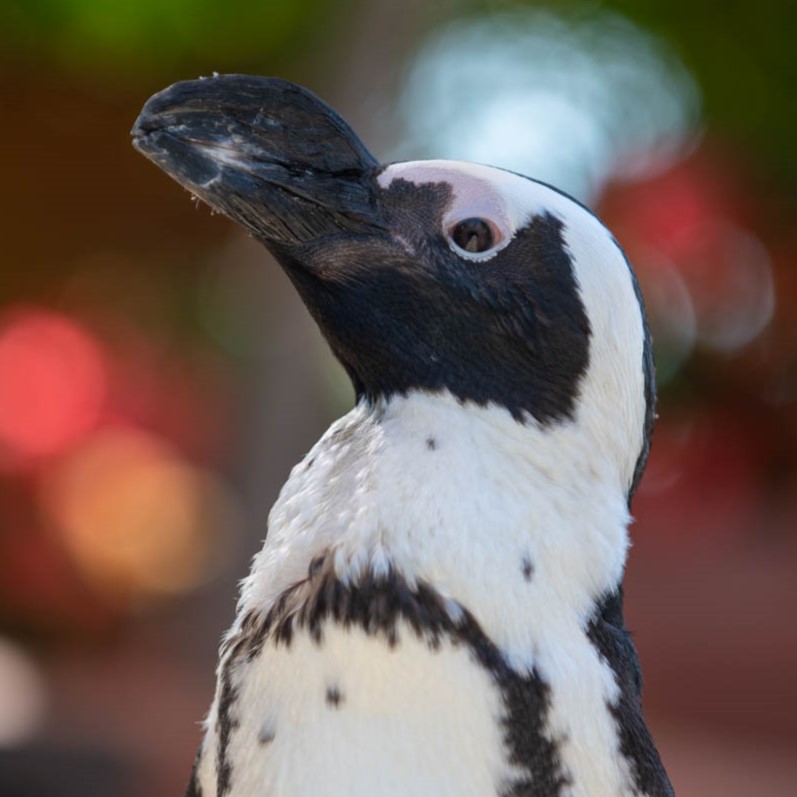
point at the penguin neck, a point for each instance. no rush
(511, 520)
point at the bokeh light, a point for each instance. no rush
(136, 517)
(707, 278)
(52, 384)
(729, 275)
(22, 695)
(567, 101)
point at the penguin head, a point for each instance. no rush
(435, 276)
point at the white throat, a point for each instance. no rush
(522, 525)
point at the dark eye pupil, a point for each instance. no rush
(473, 235)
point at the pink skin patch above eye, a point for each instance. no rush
(474, 195)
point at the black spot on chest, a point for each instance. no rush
(334, 697)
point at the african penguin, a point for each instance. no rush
(437, 607)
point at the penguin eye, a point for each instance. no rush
(473, 235)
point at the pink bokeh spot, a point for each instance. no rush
(52, 383)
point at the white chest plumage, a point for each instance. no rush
(465, 500)
(356, 717)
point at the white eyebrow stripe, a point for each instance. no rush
(478, 190)
(470, 202)
(519, 198)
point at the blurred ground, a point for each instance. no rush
(158, 377)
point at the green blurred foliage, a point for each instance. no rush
(742, 55)
(146, 35)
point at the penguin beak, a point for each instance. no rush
(266, 153)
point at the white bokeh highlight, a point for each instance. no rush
(569, 103)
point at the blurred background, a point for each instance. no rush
(158, 376)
